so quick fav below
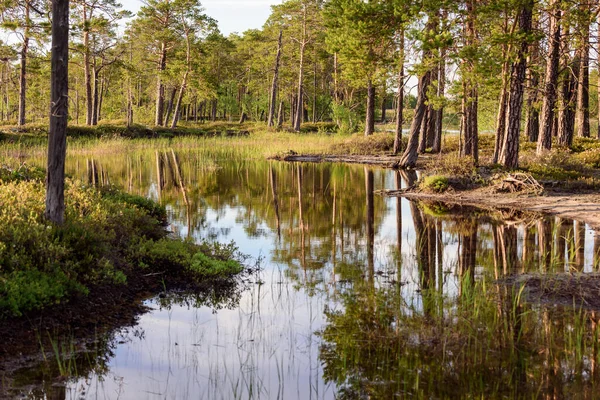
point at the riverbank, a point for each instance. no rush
(92, 273)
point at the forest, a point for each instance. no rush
(507, 66)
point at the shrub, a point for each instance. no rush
(436, 183)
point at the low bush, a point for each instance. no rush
(359, 144)
(107, 236)
(435, 183)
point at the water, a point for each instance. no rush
(360, 296)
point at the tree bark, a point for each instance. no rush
(370, 117)
(409, 158)
(273, 102)
(400, 100)
(170, 105)
(188, 67)
(87, 71)
(583, 79)
(598, 69)
(23, 72)
(95, 96)
(280, 116)
(470, 103)
(545, 138)
(300, 100)
(439, 114)
(160, 87)
(59, 108)
(510, 150)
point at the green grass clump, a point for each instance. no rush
(106, 238)
(206, 266)
(436, 183)
(359, 144)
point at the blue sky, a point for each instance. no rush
(233, 15)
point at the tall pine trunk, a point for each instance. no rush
(87, 71)
(299, 112)
(370, 117)
(400, 100)
(551, 85)
(59, 109)
(160, 87)
(409, 158)
(583, 79)
(188, 68)
(273, 102)
(439, 114)
(470, 103)
(23, 71)
(598, 69)
(510, 149)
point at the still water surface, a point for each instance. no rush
(360, 296)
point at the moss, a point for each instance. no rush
(436, 183)
(107, 237)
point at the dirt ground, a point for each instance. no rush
(581, 207)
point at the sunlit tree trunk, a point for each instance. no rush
(400, 100)
(510, 149)
(552, 64)
(59, 108)
(23, 70)
(409, 158)
(370, 118)
(160, 87)
(273, 102)
(583, 79)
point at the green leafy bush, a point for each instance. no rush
(436, 183)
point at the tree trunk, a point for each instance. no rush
(370, 117)
(275, 81)
(583, 79)
(409, 158)
(383, 105)
(510, 150)
(400, 100)
(59, 108)
(439, 114)
(160, 87)
(532, 124)
(23, 72)
(170, 105)
(179, 99)
(280, 115)
(470, 102)
(552, 64)
(501, 119)
(87, 69)
(566, 119)
(95, 98)
(425, 132)
(300, 101)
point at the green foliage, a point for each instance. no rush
(346, 119)
(206, 266)
(436, 183)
